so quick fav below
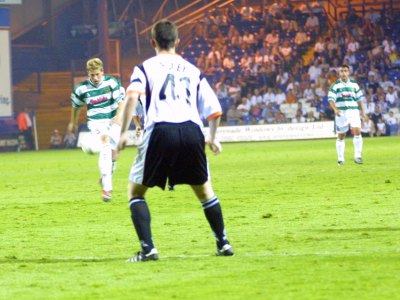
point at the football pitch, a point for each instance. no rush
(302, 227)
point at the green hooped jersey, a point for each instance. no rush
(102, 100)
(345, 94)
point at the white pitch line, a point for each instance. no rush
(288, 254)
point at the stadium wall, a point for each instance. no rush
(254, 133)
(274, 132)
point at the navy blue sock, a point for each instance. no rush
(141, 219)
(213, 212)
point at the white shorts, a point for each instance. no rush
(348, 119)
(105, 127)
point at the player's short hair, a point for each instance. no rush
(94, 64)
(165, 33)
(345, 66)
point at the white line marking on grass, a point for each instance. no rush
(288, 254)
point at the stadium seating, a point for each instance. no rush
(53, 109)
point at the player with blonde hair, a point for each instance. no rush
(103, 96)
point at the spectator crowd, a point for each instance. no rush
(276, 65)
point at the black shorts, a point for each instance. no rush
(175, 151)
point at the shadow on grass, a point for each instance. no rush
(15, 260)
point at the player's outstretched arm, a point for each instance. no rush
(213, 143)
(73, 123)
(138, 128)
(362, 111)
(333, 106)
(120, 111)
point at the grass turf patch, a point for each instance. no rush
(301, 227)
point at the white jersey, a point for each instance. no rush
(174, 90)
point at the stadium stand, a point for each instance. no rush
(241, 36)
(272, 47)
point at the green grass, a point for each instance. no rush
(301, 226)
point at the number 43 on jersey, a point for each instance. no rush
(175, 89)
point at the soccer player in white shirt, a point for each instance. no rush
(103, 97)
(173, 147)
(345, 98)
(136, 117)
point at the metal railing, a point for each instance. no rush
(186, 16)
(336, 8)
